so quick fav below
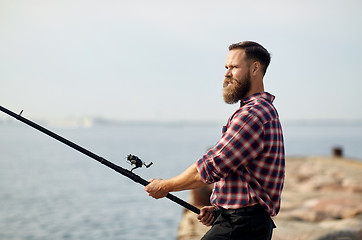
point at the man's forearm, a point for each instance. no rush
(189, 179)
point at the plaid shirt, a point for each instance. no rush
(247, 164)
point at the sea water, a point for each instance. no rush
(50, 191)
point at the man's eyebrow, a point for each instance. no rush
(231, 66)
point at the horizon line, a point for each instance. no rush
(100, 121)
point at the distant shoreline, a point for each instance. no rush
(98, 121)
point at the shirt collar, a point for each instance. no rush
(265, 95)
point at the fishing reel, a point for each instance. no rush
(134, 160)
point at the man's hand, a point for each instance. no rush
(206, 215)
(157, 188)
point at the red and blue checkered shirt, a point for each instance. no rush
(247, 163)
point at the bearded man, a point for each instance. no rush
(247, 163)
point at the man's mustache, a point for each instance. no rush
(228, 80)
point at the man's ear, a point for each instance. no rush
(255, 68)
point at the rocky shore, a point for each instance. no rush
(322, 200)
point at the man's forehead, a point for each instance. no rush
(235, 55)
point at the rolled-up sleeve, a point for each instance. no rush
(240, 143)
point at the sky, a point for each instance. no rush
(165, 60)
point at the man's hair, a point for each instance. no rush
(254, 51)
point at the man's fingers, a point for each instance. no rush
(206, 215)
(156, 188)
(209, 220)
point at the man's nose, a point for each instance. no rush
(228, 73)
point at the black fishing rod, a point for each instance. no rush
(133, 159)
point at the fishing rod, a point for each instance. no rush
(134, 160)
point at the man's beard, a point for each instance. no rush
(237, 91)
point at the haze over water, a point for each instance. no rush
(50, 191)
